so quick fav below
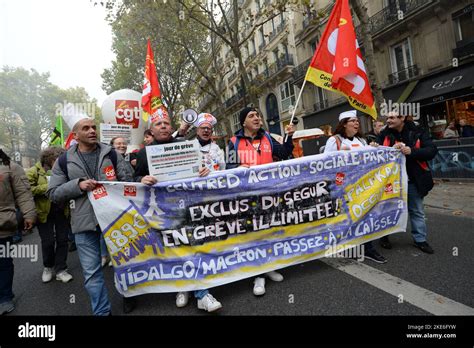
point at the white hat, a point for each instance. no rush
(71, 115)
(347, 114)
(205, 118)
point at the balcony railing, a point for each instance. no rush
(234, 99)
(403, 75)
(281, 63)
(390, 14)
(300, 71)
(464, 49)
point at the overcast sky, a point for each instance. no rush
(70, 39)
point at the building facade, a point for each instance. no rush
(424, 58)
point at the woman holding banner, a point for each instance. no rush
(251, 146)
(348, 137)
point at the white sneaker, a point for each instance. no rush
(182, 299)
(47, 275)
(259, 286)
(275, 276)
(209, 303)
(64, 276)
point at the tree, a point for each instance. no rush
(29, 103)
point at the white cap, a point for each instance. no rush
(347, 114)
(71, 116)
(205, 118)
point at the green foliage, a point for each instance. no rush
(28, 108)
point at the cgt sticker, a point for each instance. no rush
(130, 190)
(99, 192)
(110, 173)
(340, 178)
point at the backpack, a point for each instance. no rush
(62, 161)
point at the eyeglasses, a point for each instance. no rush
(205, 129)
(354, 120)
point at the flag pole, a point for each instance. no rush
(62, 133)
(294, 109)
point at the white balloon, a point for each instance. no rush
(124, 107)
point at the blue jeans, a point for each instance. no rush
(88, 248)
(6, 274)
(103, 247)
(199, 294)
(417, 214)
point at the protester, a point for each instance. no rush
(120, 145)
(251, 146)
(451, 131)
(14, 190)
(53, 224)
(347, 137)
(148, 137)
(162, 132)
(75, 174)
(374, 133)
(415, 143)
(465, 130)
(213, 159)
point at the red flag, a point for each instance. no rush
(337, 64)
(151, 96)
(70, 141)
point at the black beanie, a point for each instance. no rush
(243, 114)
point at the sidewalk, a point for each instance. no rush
(454, 198)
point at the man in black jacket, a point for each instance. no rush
(416, 145)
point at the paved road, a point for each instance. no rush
(411, 283)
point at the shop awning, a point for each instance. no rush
(443, 86)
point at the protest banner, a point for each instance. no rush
(110, 131)
(203, 232)
(174, 161)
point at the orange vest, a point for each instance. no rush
(255, 152)
(423, 164)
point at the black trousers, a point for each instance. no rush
(54, 239)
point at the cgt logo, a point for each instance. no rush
(130, 190)
(110, 173)
(127, 112)
(99, 192)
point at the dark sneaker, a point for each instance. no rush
(129, 304)
(385, 243)
(6, 307)
(375, 256)
(425, 247)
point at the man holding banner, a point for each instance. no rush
(417, 146)
(252, 146)
(76, 173)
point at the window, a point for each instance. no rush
(402, 61)
(235, 121)
(464, 26)
(262, 38)
(287, 95)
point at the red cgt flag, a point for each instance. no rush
(151, 95)
(337, 64)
